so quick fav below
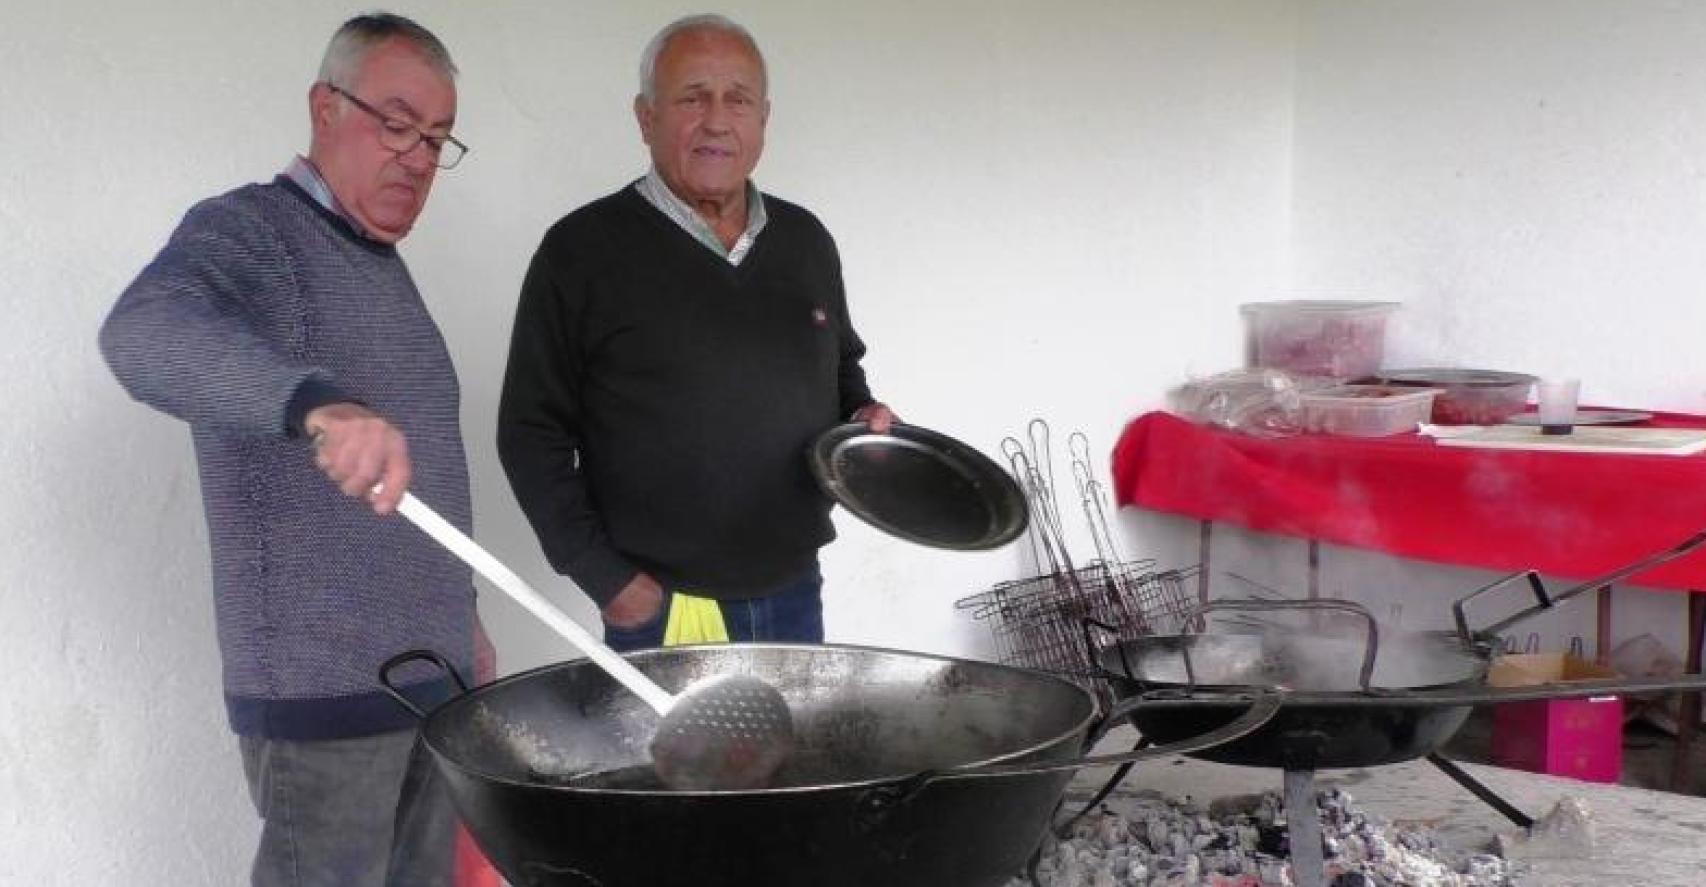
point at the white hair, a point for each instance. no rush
(358, 36)
(703, 22)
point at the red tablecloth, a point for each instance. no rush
(1566, 514)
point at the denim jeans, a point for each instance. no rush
(791, 613)
(362, 812)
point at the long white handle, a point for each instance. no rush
(501, 576)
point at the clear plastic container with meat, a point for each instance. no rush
(1339, 339)
(1366, 410)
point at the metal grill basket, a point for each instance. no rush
(1055, 622)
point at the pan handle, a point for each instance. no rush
(1447, 696)
(404, 658)
(1461, 619)
(876, 809)
(1371, 648)
(1547, 602)
(1264, 704)
(1092, 650)
(469, 552)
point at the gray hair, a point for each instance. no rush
(704, 22)
(358, 36)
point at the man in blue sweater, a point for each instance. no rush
(279, 321)
(677, 347)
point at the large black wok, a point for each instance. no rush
(908, 770)
(1354, 698)
(1303, 735)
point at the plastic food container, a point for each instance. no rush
(1467, 397)
(1367, 410)
(1342, 340)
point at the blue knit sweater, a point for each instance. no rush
(259, 293)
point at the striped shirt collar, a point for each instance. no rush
(301, 171)
(657, 193)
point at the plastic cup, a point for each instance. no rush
(1557, 404)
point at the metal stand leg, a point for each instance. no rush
(1688, 720)
(1205, 537)
(1317, 621)
(1303, 828)
(1480, 790)
(1065, 828)
(1314, 569)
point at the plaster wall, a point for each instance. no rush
(1526, 178)
(1044, 210)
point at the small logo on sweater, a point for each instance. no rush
(820, 317)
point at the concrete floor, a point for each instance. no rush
(1648, 754)
(1631, 835)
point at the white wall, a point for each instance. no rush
(1527, 178)
(1518, 174)
(1043, 210)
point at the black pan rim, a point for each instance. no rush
(1002, 500)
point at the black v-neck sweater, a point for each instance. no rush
(659, 401)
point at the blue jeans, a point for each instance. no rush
(363, 812)
(791, 613)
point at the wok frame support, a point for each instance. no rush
(1692, 701)
(1480, 790)
(1303, 823)
(1303, 830)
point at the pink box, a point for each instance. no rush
(1578, 738)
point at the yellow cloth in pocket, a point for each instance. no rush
(694, 620)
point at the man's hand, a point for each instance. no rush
(360, 451)
(636, 604)
(877, 416)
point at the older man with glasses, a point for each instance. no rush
(280, 322)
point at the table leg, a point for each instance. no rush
(1202, 558)
(1314, 569)
(1602, 627)
(1688, 719)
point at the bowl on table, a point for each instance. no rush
(1467, 396)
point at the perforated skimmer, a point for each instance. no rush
(721, 733)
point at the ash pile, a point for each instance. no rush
(1146, 840)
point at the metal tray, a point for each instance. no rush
(1453, 377)
(1588, 416)
(919, 485)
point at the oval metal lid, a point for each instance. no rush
(1454, 376)
(920, 485)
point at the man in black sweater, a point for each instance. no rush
(677, 347)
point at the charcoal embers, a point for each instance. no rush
(1144, 840)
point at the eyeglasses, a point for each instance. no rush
(401, 136)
